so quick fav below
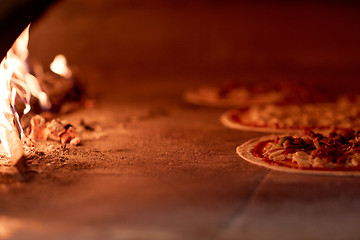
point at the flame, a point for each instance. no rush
(25, 83)
(5, 107)
(17, 83)
(60, 66)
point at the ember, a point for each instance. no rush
(54, 130)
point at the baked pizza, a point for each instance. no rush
(343, 113)
(237, 94)
(337, 153)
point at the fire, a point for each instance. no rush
(17, 84)
(60, 66)
(17, 88)
(5, 106)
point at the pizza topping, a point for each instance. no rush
(343, 113)
(302, 158)
(261, 91)
(341, 149)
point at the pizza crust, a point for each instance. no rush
(341, 114)
(226, 119)
(208, 96)
(245, 152)
(245, 94)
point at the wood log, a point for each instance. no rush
(60, 90)
(18, 157)
(14, 145)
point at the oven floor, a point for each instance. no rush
(156, 167)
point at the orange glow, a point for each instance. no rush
(17, 83)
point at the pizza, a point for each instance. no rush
(237, 94)
(337, 153)
(343, 113)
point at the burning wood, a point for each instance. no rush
(10, 137)
(13, 145)
(18, 88)
(60, 84)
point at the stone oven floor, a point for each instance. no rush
(156, 167)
